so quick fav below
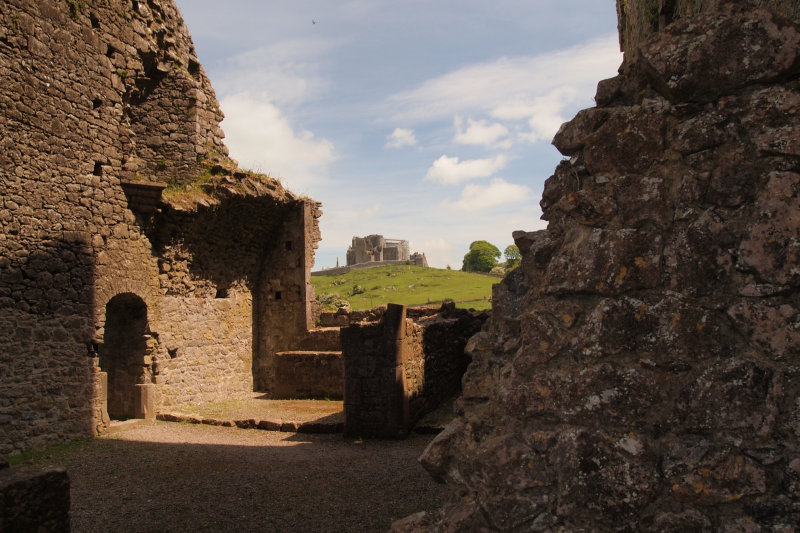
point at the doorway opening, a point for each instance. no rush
(126, 357)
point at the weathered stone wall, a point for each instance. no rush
(92, 95)
(638, 19)
(34, 499)
(206, 350)
(435, 375)
(309, 374)
(64, 213)
(376, 400)
(282, 298)
(639, 371)
(366, 249)
(47, 386)
(400, 368)
(375, 248)
(346, 316)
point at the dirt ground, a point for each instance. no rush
(258, 407)
(166, 476)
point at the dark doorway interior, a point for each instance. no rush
(123, 354)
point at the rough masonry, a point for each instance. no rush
(403, 365)
(640, 371)
(139, 268)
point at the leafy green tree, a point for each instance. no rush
(482, 257)
(513, 257)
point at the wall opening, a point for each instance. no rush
(126, 355)
(194, 68)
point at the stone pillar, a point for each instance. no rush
(395, 323)
(145, 401)
(102, 420)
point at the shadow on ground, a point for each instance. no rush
(184, 477)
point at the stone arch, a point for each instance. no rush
(126, 356)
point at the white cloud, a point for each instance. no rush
(401, 137)
(534, 89)
(479, 132)
(544, 114)
(370, 211)
(262, 139)
(291, 71)
(498, 192)
(450, 170)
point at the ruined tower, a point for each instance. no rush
(139, 268)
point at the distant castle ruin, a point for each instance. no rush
(375, 251)
(375, 248)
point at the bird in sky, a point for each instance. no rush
(313, 21)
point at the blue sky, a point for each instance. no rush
(425, 120)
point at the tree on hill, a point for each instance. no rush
(513, 257)
(482, 257)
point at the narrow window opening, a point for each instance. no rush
(173, 353)
(194, 67)
(278, 295)
(98, 168)
(222, 293)
(95, 21)
(110, 51)
(96, 103)
(135, 4)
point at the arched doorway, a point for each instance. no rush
(125, 355)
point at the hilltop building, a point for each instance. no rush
(377, 249)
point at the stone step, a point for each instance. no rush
(313, 426)
(322, 339)
(311, 374)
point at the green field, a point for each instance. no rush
(405, 284)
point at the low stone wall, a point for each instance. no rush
(398, 369)
(309, 374)
(435, 374)
(34, 499)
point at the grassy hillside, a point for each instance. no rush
(405, 284)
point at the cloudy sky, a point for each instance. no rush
(425, 120)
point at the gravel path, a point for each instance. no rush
(183, 477)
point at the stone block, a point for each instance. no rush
(34, 499)
(145, 401)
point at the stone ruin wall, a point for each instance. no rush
(376, 249)
(639, 19)
(401, 364)
(34, 499)
(640, 370)
(94, 94)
